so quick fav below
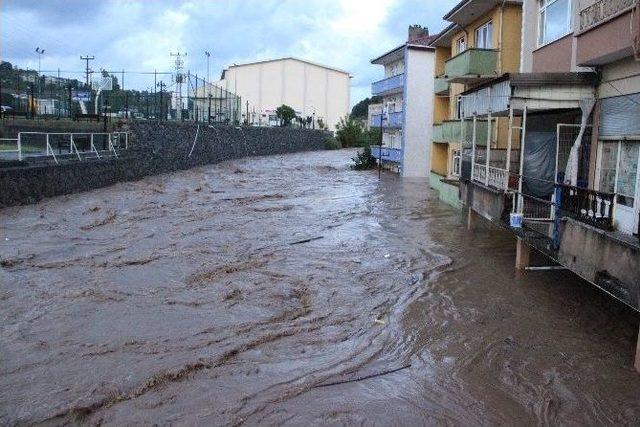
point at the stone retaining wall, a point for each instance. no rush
(155, 148)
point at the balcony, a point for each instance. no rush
(441, 86)
(601, 11)
(454, 130)
(388, 154)
(394, 120)
(388, 86)
(472, 66)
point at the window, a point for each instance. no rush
(619, 170)
(484, 36)
(456, 163)
(461, 45)
(459, 113)
(555, 20)
(627, 173)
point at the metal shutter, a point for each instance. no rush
(620, 115)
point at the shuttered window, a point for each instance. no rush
(619, 116)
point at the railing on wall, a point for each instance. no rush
(81, 145)
(589, 206)
(498, 178)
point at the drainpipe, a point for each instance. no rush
(500, 38)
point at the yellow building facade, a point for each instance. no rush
(481, 43)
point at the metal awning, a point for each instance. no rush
(536, 91)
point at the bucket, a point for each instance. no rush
(515, 220)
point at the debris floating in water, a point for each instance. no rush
(310, 239)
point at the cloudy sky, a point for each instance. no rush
(138, 35)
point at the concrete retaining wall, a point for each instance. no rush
(611, 263)
(155, 148)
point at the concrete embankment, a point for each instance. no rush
(155, 148)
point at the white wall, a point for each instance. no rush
(306, 87)
(418, 112)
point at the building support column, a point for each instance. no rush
(523, 134)
(488, 151)
(473, 147)
(637, 361)
(472, 219)
(509, 144)
(523, 254)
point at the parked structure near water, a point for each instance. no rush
(314, 91)
(407, 99)
(481, 43)
(571, 171)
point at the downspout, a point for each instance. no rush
(500, 37)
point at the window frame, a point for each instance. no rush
(485, 27)
(461, 41)
(543, 5)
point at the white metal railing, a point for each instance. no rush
(498, 178)
(479, 173)
(4, 152)
(112, 143)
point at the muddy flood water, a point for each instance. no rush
(291, 289)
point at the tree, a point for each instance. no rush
(285, 114)
(350, 132)
(361, 109)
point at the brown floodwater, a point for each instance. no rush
(291, 289)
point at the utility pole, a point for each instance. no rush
(162, 86)
(87, 58)
(179, 64)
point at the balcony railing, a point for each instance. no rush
(455, 130)
(389, 85)
(601, 11)
(589, 206)
(388, 154)
(441, 86)
(479, 173)
(472, 64)
(394, 120)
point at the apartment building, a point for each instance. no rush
(407, 105)
(481, 43)
(573, 115)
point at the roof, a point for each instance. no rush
(443, 38)
(393, 52)
(285, 59)
(540, 79)
(396, 52)
(468, 11)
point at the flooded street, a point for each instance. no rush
(291, 289)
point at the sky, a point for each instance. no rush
(139, 35)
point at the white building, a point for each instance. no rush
(407, 97)
(312, 90)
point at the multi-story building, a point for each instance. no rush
(314, 91)
(407, 104)
(481, 43)
(574, 107)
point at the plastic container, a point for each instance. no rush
(515, 220)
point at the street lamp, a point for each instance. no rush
(40, 52)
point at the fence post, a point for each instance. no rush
(20, 146)
(488, 152)
(509, 143)
(473, 148)
(523, 133)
